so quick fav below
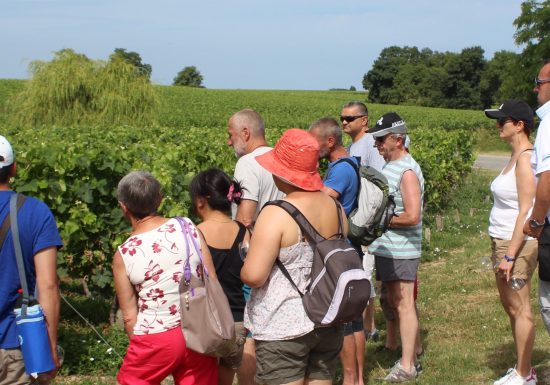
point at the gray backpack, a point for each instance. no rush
(339, 288)
(374, 207)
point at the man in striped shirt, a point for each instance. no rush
(397, 252)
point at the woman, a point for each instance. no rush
(212, 193)
(147, 270)
(288, 346)
(514, 255)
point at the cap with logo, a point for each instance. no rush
(389, 123)
(515, 109)
(6, 152)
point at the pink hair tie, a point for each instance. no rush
(230, 193)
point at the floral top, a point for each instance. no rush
(154, 264)
(275, 310)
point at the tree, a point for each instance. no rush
(132, 58)
(498, 80)
(189, 76)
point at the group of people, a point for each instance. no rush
(241, 244)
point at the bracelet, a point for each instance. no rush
(509, 259)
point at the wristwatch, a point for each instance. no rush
(534, 224)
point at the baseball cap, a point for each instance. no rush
(515, 109)
(389, 123)
(6, 152)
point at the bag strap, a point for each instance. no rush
(355, 166)
(186, 235)
(287, 275)
(6, 224)
(14, 202)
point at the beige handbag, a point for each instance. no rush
(206, 318)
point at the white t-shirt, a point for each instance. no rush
(256, 181)
(365, 149)
(540, 159)
(506, 206)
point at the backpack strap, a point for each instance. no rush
(355, 166)
(6, 224)
(14, 200)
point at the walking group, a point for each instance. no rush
(259, 237)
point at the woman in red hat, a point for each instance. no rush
(288, 346)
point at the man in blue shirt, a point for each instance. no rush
(39, 240)
(342, 183)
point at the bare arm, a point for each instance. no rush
(264, 247)
(246, 211)
(526, 186)
(542, 204)
(126, 294)
(333, 193)
(412, 201)
(45, 262)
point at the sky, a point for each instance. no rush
(251, 44)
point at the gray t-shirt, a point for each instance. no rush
(365, 149)
(257, 183)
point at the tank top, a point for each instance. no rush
(228, 265)
(506, 205)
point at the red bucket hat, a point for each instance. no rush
(295, 159)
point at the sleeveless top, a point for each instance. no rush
(275, 310)
(402, 242)
(506, 205)
(228, 265)
(154, 263)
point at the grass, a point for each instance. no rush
(465, 332)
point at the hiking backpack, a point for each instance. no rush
(339, 288)
(374, 208)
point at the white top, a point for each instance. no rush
(505, 207)
(540, 159)
(154, 264)
(256, 181)
(275, 311)
(364, 148)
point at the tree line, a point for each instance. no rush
(409, 75)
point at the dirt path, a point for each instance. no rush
(491, 162)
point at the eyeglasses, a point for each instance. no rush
(540, 82)
(502, 121)
(350, 119)
(381, 139)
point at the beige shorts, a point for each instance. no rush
(526, 260)
(233, 350)
(12, 368)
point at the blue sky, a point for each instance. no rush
(283, 44)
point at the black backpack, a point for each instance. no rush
(339, 289)
(374, 207)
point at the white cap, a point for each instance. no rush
(6, 152)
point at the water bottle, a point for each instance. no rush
(35, 343)
(486, 263)
(516, 283)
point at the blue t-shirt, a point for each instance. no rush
(342, 178)
(37, 231)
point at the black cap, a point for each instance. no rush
(389, 123)
(515, 109)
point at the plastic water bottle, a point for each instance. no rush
(486, 263)
(35, 343)
(516, 283)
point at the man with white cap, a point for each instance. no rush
(39, 239)
(397, 252)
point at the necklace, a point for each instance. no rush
(143, 220)
(217, 220)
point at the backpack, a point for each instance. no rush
(374, 208)
(339, 288)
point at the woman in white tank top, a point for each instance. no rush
(514, 255)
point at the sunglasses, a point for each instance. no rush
(350, 119)
(381, 139)
(502, 121)
(540, 82)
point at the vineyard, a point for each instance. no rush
(75, 170)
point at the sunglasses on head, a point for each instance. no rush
(350, 119)
(540, 82)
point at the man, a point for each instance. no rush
(397, 252)
(538, 224)
(341, 182)
(246, 132)
(39, 240)
(355, 123)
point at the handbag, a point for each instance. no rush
(206, 318)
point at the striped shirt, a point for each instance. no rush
(403, 242)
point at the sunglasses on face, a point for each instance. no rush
(350, 119)
(381, 139)
(540, 82)
(502, 121)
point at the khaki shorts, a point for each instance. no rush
(313, 356)
(233, 350)
(526, 260)
(12, 368)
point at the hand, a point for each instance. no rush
(532, 232)
(504, 269)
